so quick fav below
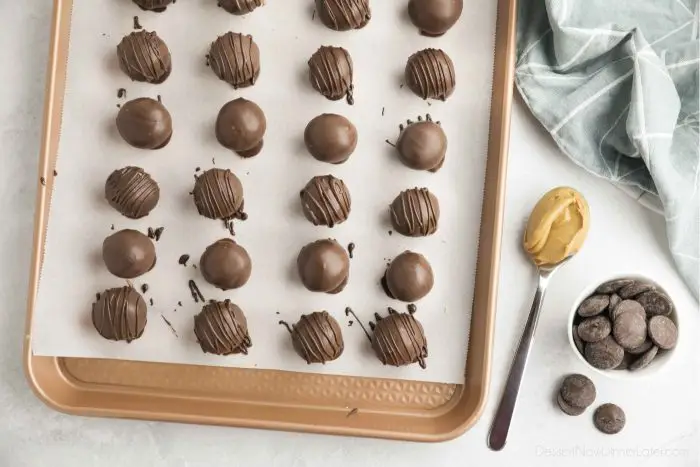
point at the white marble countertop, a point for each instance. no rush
(662, 411)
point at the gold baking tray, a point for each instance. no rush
(280, 400)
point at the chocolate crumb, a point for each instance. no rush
(382, 111)
(179, 303)
(277, 312)
(183, 260)
(429, 104)
(351, 250)
(150, 300)
(197, 169)
(97, 296)
(144, 288)
(194, 265)
(137, 24)
(55, 173)
(350, 323)
(151, 233)
(228, 224)
(352, 412)
(401, 86)
(389, 143)
(313, 15)
(160, 99)
(213, 161)
(119, 106)
(196, 293)
(111, 227)
(240, 215)
(411, 308)
(169, 325)
(391, 232)
(121, 93)
(158, 232)
(43, 181)
(207, 58)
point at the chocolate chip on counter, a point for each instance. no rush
(642, 348)
(627, 306)
(578, 342)
(567, 409)
(594, 329)
(663, 332)
(593, 305)
(609, 418)
(655, 303)
(605, 354)
(634, 289)
(644, 360)
(630, 330)
(577, 391)
(613, 286)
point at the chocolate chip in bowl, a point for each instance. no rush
(624, 327)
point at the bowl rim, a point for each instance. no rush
(622, 374)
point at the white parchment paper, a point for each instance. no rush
(90, 149)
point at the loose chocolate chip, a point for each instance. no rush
(630, 330)
(594, 329)
(634, 289)
(613, 286)
(627, 306)
(605, 354)
(655, 303)
(642, 348)
(577, 391)
(578, 342)
(567, 409)
(663, 332)
(609, 418)
(645, 359)
(593, 305)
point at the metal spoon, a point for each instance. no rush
(504, 414)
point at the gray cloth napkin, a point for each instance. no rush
(616, 85)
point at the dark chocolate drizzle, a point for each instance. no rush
(349, 311)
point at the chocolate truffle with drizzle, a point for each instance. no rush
(430, 73)
(422, 144)
(324, 266)
(145, 123)
(343, 15)
(399, 340)
(218, 194)
(317, 337)
(240, 7)
(415, 213)
(325, 200)
(330, 73)
(143, 56)
(132, 192)
(241, 126)
(119, 314)
(235, 58)
(222, 329)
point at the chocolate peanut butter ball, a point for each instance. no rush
(399, 340)
(132, 192)
(240, 7)
(241, 126)
(317, 338)
(422, 145)
(430, 74)
(128, 254)
(343, 15)
(222, 329)
(409, 277)
(157, 6)
(235, 58)
(434, 17)
(415, 213)
(330, 138)
(143, 56)
(324, 266)
(330, 73)
(218, 194)
(225, 264)
(119, 314)
(145, 123)
(325, 200)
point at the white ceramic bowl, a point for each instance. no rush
(661, 359)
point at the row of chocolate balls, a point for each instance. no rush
(241, 125)
(221, 328)
(235, 59)
(431, 17)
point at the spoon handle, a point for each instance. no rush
(504, 413)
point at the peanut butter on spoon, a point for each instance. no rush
(557, 226)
